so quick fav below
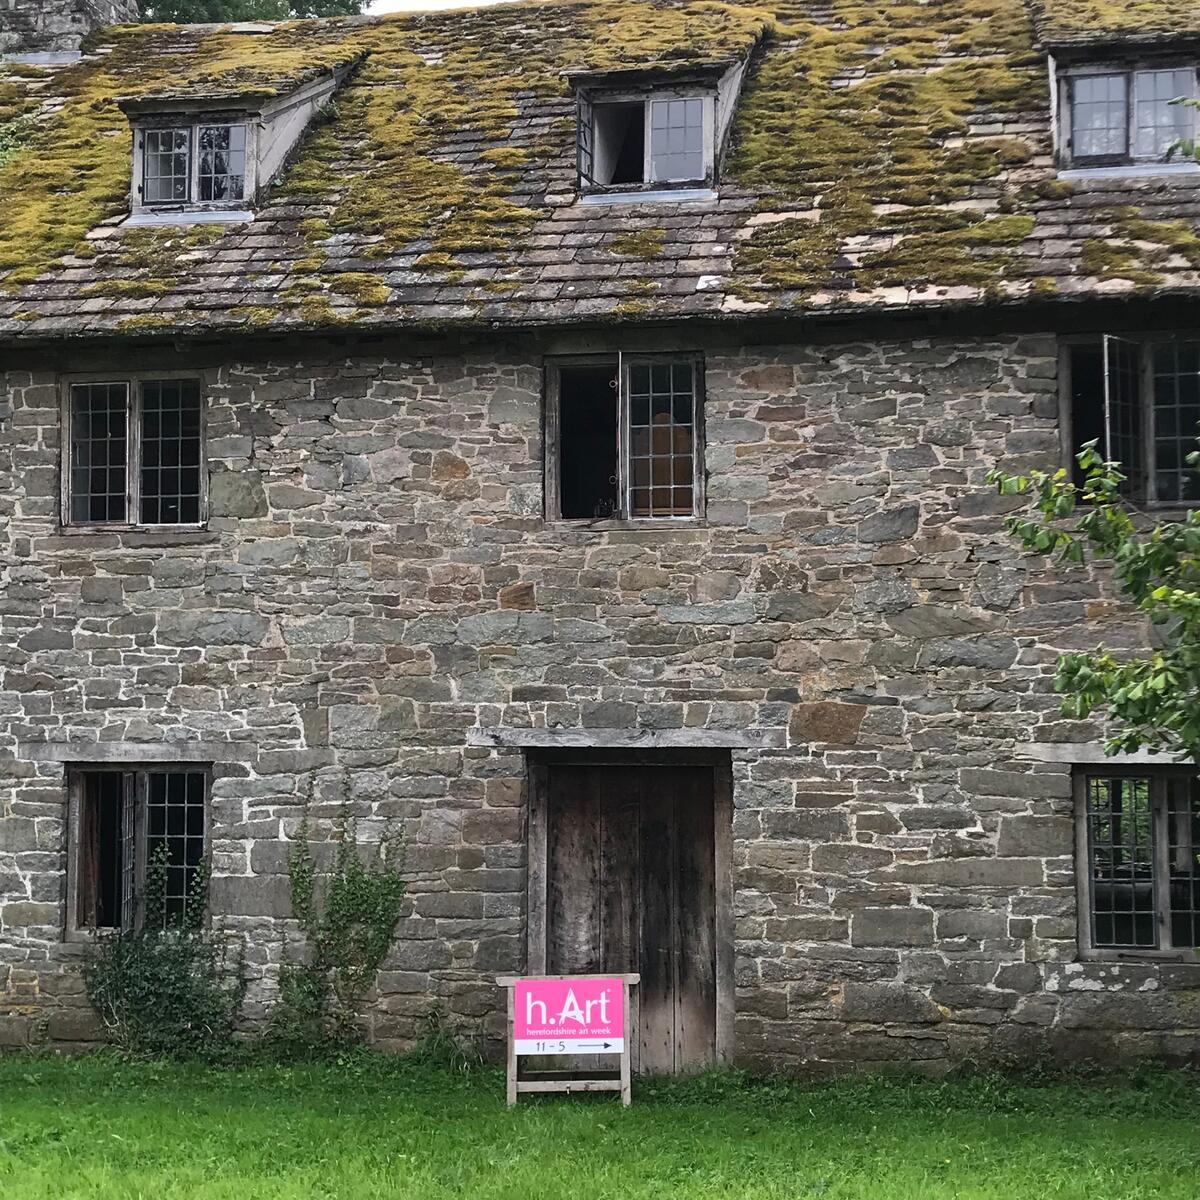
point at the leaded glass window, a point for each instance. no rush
(166, 166)
(222, 162)
(136, 453)
(1142, 874)
(676, 140)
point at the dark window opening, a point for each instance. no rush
(1143, 874)
(1140, 401)
(1087, 400)
(103, 840)
(619, 137)
(170, 453)
(587, 441)
(129, 823)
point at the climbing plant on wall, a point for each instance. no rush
(349, 917)
(1154, 697)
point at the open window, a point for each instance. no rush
(122, 820)
(659, 130)
(660, 141)
(624, 439)
(1123, 116)
(1138, 836)
(1139, 399)
(134, 453)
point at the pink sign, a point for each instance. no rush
(569, 1016)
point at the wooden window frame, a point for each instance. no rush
(1067, 78)
(1158, 777)
(586, 106)
(132, 381)
(1147, 343)
(552, 459)
(192, 123)
(138, 774)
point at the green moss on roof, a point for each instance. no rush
(1062, 22)
(1139, 250)
(645, 244)
(879, 152)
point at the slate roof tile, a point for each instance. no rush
(884, 153)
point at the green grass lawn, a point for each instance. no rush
(394, 1128)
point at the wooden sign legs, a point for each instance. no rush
(556, 1039)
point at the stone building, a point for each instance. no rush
(56, 26)
(569, 447)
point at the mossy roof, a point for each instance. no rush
(1082, 22)
(884, 154)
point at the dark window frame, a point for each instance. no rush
(133, 381)
(136, 777)
(552, 464)
(1158, 776)
(1129, 71)
(1144, 474)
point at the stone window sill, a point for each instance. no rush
(143, 535)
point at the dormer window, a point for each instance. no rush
(662, 140)
(208, 158)
(654, 133)
(184, 164)
(1125, 117)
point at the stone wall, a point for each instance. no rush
(377, 580)
(57, 25)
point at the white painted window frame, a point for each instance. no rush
(647, 97)
(192, 124)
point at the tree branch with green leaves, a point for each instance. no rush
(1154, 698)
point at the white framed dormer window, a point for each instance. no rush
(647, 141)
(192, 166)
(1125, 117)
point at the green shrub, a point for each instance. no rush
(349, 924)
(170, 986)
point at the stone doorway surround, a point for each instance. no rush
(710, 748)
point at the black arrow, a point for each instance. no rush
(594, 1045)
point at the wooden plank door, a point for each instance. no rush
(630, 886)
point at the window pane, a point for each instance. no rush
(1121, 861)
(1176, 421)
(662, 408)
(1099, 116)
(170, 452)
(1124, 442)
(587, 441)
(222, 170)
(1183, 866)
(98, 452)
(166, 166)
(676, 140)
(175, 820)
(1157, 123)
